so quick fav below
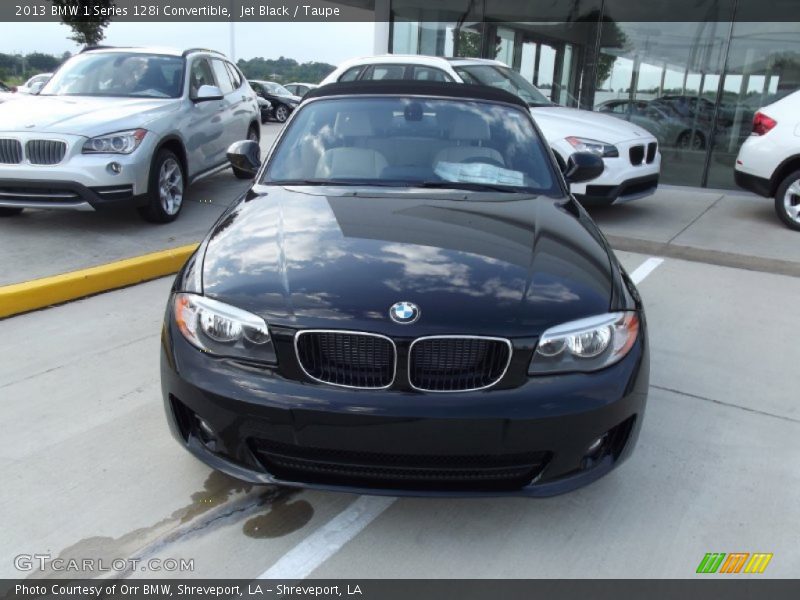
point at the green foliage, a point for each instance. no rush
(85, 30)
(284, 70)
(15, 69)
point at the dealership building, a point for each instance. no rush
(693, 72)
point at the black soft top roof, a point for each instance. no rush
(401, 87)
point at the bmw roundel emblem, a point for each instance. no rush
(404, 313)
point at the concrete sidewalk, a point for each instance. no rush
(726, 228)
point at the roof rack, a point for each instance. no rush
(189, 51)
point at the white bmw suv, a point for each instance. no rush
(630, 153)
(118, 127)
(769, 160)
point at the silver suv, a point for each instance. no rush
(124, 127)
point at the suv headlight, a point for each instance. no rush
(601, 149)
(121, 142)
(223, 330)
(586, 344)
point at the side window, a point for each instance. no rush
(236, 76)
(384, 72)
(222, 76)
(201, 75)
(430, 74)
(351, 74)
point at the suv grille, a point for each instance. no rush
(346, 358)
(637, 154)
(415, 471)
(456, 364)
(10, 152)
(651, 151)
(45, 152)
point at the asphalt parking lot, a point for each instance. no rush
(91, 470)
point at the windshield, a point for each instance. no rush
(408, 142)
(119, 74)
(504, 79)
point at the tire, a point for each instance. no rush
(687, 141)
(787, 201)
(6, 211)
(282, 113)
(164, 202)
(253, 136)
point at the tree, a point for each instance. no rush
(42, 63)
(86, 30)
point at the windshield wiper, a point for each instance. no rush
(472, 186)
(348, 182)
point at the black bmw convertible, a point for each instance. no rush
(407, 301)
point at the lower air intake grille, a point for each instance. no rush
(350, 359)
(45, 152)
(457, 364)
(10, 152)
(410, 471)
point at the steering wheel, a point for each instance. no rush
(483, 160)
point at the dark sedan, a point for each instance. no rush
(281, 101)
(407, 301)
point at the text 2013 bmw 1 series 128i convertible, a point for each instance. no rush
(407, 301)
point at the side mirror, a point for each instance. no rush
(245, 155)
(207, 93)
(583, 166)
(36, 87)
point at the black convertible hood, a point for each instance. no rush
(328, 258)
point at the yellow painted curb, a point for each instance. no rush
(39, 293)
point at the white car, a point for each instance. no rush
(769, 160)
(124, 127)
(630, 153)
(34, 84)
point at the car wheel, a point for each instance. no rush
(6, 211)
(787, 201)
(252, 135)
(165, 190)
(281, 113)
(687, 141)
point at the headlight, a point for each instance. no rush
(586, 344)
(223, 330)
(595, 147)
(121, 142)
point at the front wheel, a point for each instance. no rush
(7, 211)
(787, 201)
(165, 190)
(281, 113)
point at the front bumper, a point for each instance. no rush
(272, 429)
(624, 178)
(79, 181)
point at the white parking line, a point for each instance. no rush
(326, 541)
(644, 269)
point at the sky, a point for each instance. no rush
(323, 42)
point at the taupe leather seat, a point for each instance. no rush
(469, 131)
(351, 162)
